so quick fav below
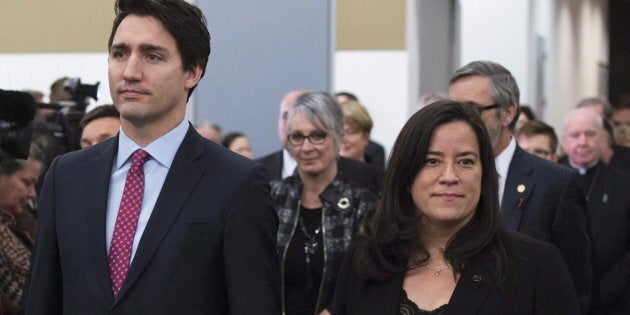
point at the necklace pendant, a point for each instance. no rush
(437, 272)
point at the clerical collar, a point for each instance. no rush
(583, 169)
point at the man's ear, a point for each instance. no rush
(509, 114)
(193, 76)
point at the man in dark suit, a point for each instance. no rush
(539, 198)
(183, 226)
(280, 164)
(609, 211)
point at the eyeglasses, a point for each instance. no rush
(297, 139)
(482, 109)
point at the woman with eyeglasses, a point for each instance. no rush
(320, 211)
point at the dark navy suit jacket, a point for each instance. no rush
(209, 246)
(545, 200)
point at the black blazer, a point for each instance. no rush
(375, 154)
(540, 284)
(364, 174)
(545, 200)
(609, 212)
(209, 246)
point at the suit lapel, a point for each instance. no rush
(598, 198)
(518, 186)
(470, 292)
(180, 182)
(97, 172)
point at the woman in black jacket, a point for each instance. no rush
(320, 210)
(436, 244)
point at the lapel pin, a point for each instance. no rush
(343, 203)
(476, 278)
(520, 188)
(605, 198)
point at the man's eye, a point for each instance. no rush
(153, 57)
(117, 54)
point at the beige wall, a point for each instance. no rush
(83, 26)
(370, 25)
(48, 26)
(581, 49)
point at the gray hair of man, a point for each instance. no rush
(504, 89)
(608, 110)
(583, 111)
(322, 110)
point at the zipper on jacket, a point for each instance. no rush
(321, 284)
(284, 255)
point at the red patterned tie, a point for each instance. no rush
(126, 221)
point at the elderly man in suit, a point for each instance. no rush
(157, 220)
(539, 198)
(609, 210)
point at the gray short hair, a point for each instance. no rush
(322, 110)
(608, 110)
(503, 86)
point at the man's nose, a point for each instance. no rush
(133, 69)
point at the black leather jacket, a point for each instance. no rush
(345, 205)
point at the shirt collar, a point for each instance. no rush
(162, 149)
(583, 169)
(502, 161)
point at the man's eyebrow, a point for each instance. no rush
(143, 47)
(119, 46)
(153, 48)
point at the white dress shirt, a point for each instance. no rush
(502, 164)
(162, 152)
(288, 164)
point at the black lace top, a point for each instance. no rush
(408, 307)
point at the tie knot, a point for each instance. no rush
(138, 158)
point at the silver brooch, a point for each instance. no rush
(343, 203)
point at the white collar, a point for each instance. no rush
(502, 161)
(162, 149)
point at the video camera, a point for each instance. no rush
(63, 125)
(17, 110)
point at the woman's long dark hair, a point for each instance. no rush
(392, 242)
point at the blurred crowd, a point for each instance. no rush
(563, 188)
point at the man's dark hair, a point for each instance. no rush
(528, 112)
(230, 137)
(537, 127)
(184, 21)
(348, 95)
(503, 87)
(99, 112)
(393, 244)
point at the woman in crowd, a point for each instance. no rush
(320, 211)
(356, 131)
(238, 142)
(17, 191)
(436, 244)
